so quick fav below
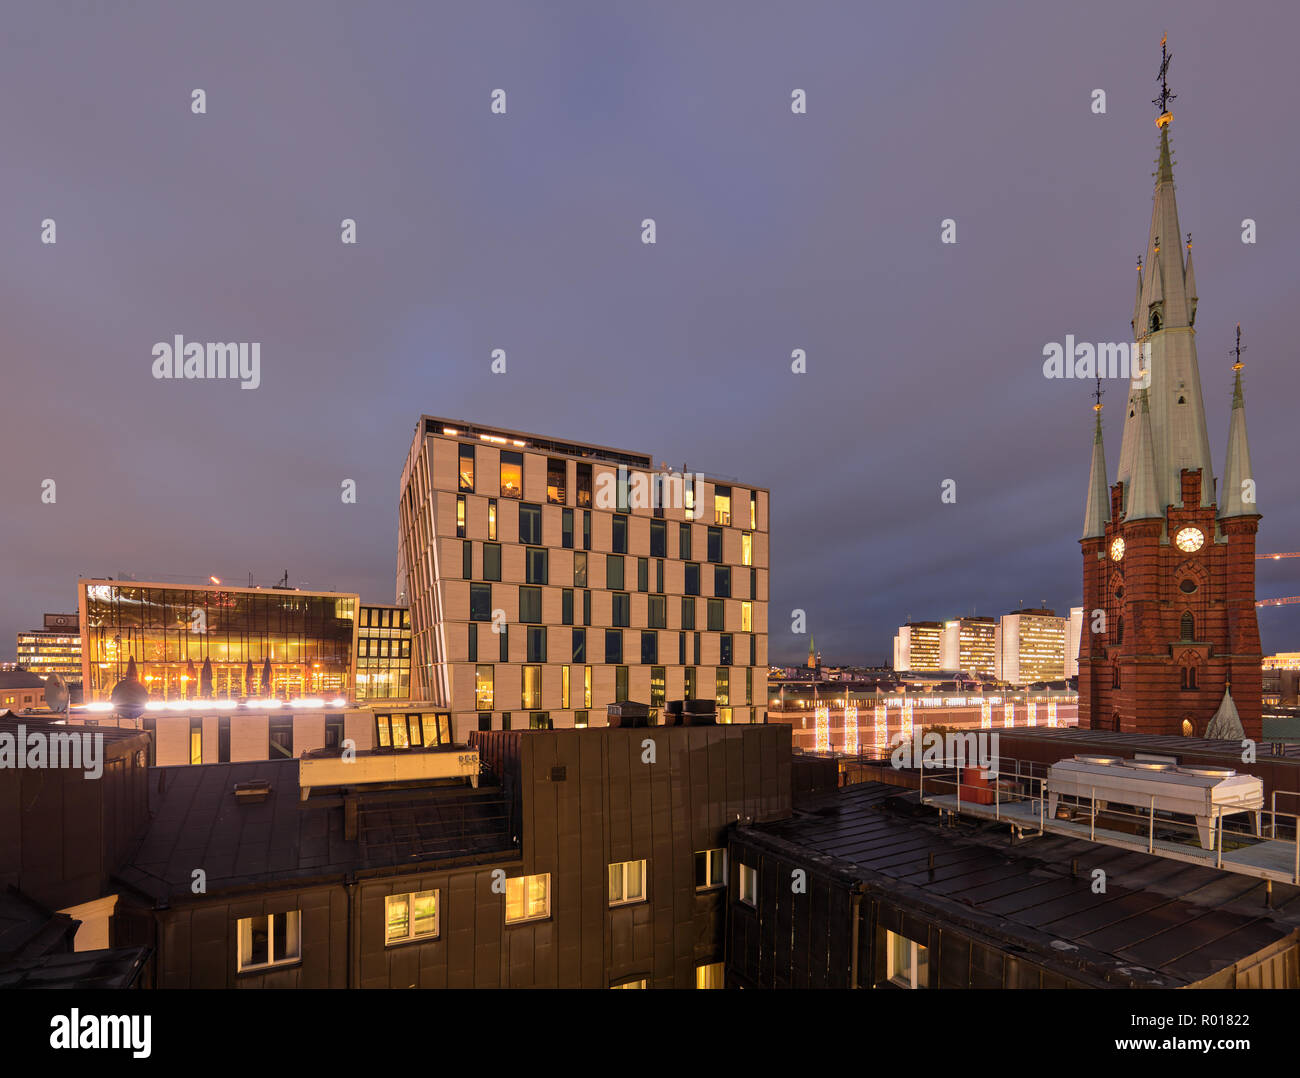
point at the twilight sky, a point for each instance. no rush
(478, 231)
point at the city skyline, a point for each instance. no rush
(776, 232)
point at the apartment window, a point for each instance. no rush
(580, 569)
(630, 984)
(512, 475)
(530, 524)
(692, 584)
(721, 505)
(746, 617)
(467, 559)
(504, 634)
(540, 720)
(688, 612)
(696, 638)
(684, 542)
(491, 561)
(280, 737)
(530, 604)
(716, 611)
(586, 608)
(555, 481)
(688, 495)
(626, 883)
(753, 510)
(710, 869)
(531, 693)
(537, 644)
(723, 690)
(586, 687)
(908, 963)
(689, 683)
(681, 649)
(528, 898)
(715, 545)
(584, 485)
(746, 548)
(749, 684)
(643, 574)
(722, 581)
(460, 516)
(535, 565)
(492, 519)
(657, 612)
(710, 975)
(467, 468)
(747, 885)
(480, 602)
(613, 572)
(483, 688)
(622, 606)
(566, 529)
(472, 646)
(619, 543)
(649, 647)
(579, 645)
(564, 688)
(724, 649)
(613, 646)
(658, 539)
(505, 720)
(586, 530)
(196, 741)
(566, 606)
(581, 719)
(657, 686)
(333, 735)
(272, 940)
(410, 917)
(620, 683)
(659, 576)
(753, 651)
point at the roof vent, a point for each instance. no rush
(252, 793)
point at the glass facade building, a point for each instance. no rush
(384, 653)
(195, 642)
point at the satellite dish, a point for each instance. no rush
(56, 693)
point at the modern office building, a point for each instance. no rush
(384, 653)
(1072, 641)
(547, 579)
(217, 642)
(1031, 646)
(918, 645)
(53, 649)
(969, 645)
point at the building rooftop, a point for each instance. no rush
(198, 822)
(1158, 924)
(21, 679)
(116, 968)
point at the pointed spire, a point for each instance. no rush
(1165, 168)
(1189, 282)
(1226, 724)
(1238, 477)
(1139, 321)
(1096, 513)
(1143, 496)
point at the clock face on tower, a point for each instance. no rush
(1189, 540)
(1116, 549)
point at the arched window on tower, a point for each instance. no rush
(1155, 319)
(1187, 626)
(1189, 678)
(1188, 729)
(1119, 630)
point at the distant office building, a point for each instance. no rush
(384, 653)
(969, 645)
(1031, 647)
(53, 649)
(1072, 642)
(918, 645)
(214, 641)
(548, 579)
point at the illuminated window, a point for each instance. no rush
(483, 688)
(746, 617)
(657, 686)
(528, 898)
(512, 475)
(721, 505)
(492, 519)
(709, 976)
(411, 917)
(630, 984)
(626, 883)
(586, 687)
(467, 468)
(908, 962)
(584, 484)
(753, 510)
(580, 719)
(564, 688)
(460, 516)
(746, 548)
(532, 687)
(747, 884)
(196, 741)
(689, 690)
(273, 940)
(722, 693)
(688, 495)
(710, 869)
(555, 481)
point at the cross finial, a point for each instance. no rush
(1236, 352)
(1097, 394)
(1162, 102)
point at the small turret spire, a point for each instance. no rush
(1238, 477)
(1096, 513)
(1143, 496)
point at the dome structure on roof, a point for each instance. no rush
(129, 698)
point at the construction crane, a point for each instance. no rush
(1285, 600)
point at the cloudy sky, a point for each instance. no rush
(522, 231)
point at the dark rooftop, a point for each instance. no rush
(197, 823)
(1159, 923)
(1114, 741)
(116, 968)
(28, 928)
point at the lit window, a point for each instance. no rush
(564, 687)
(710, 869)
(483, 688)
(467, 468)
(721, 505)
(532, 687)
(748, 885)
(746, 617)
(626, 883)
(908, 962)
(753, 510)
(273, 940)
(512, 475)
(586, 689)
(746, 548)
(709, 976)
(411, 917)
(555, 481)
(492, 519)
(460, 516)
(630, 984)
(528, 898)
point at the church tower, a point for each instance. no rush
(1171, 641)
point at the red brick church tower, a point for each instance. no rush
(1168, 559)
